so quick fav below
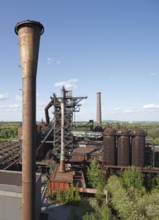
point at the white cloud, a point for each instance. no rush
(10, 108)
(133, 110)
(4, 96)
(130, 110)
(68, 84)
(151, 106)
(13, 108)
(51, 60)
(11, 112)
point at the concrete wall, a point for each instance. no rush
(11, 196)
(10, 202)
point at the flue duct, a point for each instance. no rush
(99, 112)
(29, 40)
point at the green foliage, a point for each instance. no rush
(77, 197)
(153, 133)
(127, 199)
(98, 212)
(118, 197)
(100, 195)
(59, 196)
(95, 176)
(89, 216)
(105, 213)
(156, 140)
(50, 170)
(155, 188)
(132, 178)
(129, 202)
(69, 194)
(8, 130)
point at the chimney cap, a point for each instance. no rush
(28, 23)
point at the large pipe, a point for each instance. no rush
(62, 156)
(29, 39)
(99, 113)
(47, 111)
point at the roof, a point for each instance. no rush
(66, 177)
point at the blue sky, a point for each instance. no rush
(90, 46)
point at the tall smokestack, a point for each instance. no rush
(29, 39)
(99, 114)
(62, 156)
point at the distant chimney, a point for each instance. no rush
(99, 114)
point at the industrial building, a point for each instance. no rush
(59, 143)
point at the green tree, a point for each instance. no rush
(69, 194)
(132, 178)
(95, 176)
(129, 202)
(98, 212)
(89, 216)
(59, 196)
(118, 198)
(77, 197)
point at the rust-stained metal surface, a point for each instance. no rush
(60, 180)
(54, 186)
(123, 147)
(122, 168)
(138, 147)
(84, 150)
(66, 177)
(109, 146)
(62, 156)
(29, 39)
(88, 190)
(81, 154)
(138, 154)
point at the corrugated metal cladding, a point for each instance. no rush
(54, 186)
(123, 144)
(11, 196)
(138, 147)
(109, 146)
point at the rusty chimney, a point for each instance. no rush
(29, 39)
(62, 156)
(99, 117)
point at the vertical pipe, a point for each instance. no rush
(62, 157)
(29, 39)
(99, 117)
